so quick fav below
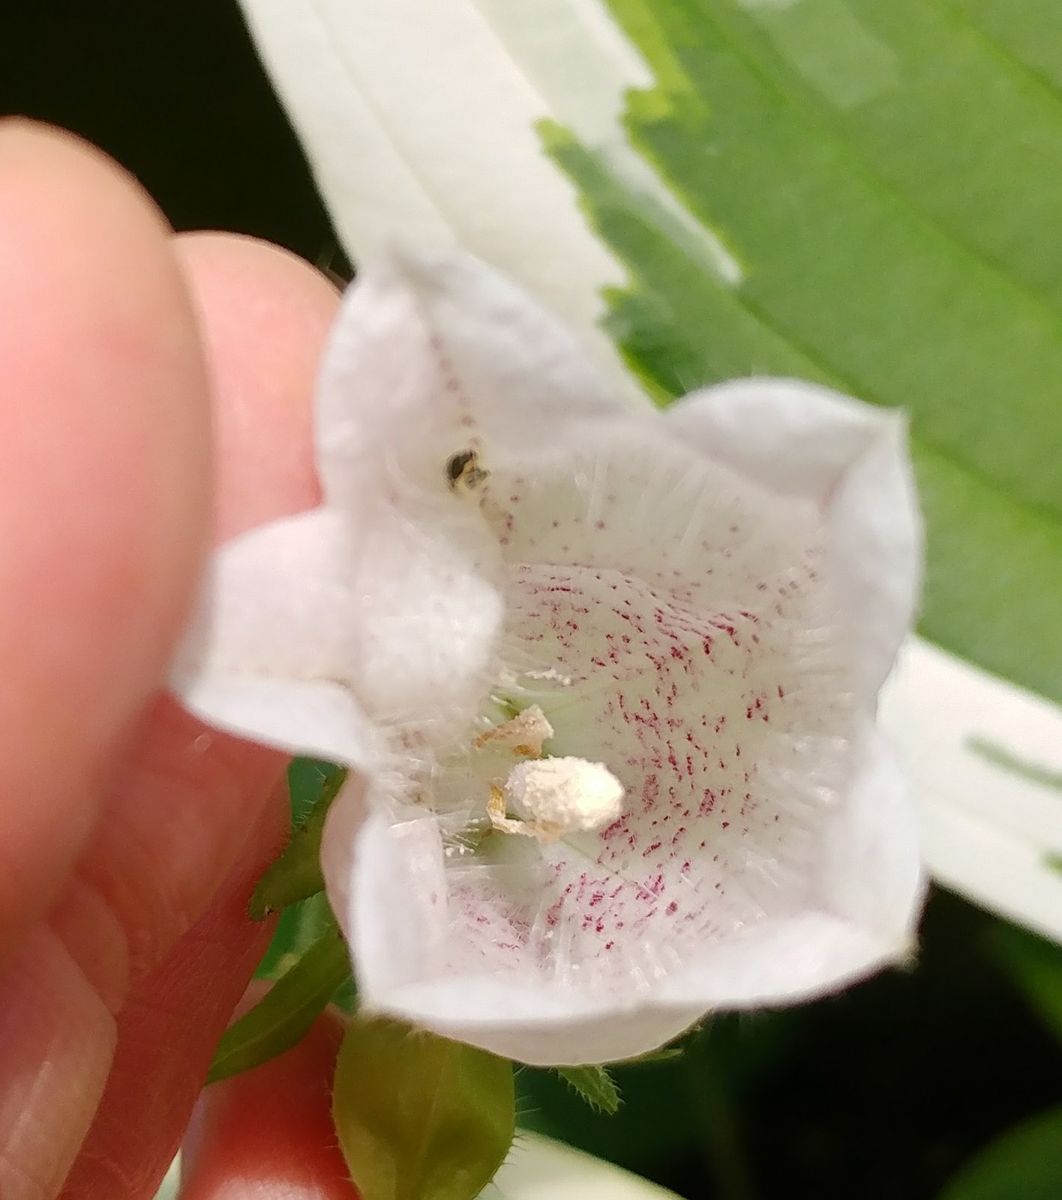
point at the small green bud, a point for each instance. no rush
(420, 1117)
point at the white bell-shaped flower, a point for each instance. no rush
(607, 676)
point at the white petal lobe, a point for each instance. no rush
(272, 653)
(850, 458)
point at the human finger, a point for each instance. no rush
(103, 496)
(264, 316)
(269, 1132)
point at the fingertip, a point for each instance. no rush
(105, 417)
(104, 498)
(180, 804)
(269, 1131)
(265, 316)
(32, 151)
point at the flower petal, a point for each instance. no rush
(765, 851)
(782, 961)
(808, 441)
(317, 634)
(387, 899)
(264, 658)
(433, 354)
(390, 593)
(871, 871)
(318, 719)
(861, 916)
(393, 901)
(538, 1025)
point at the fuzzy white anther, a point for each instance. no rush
(556, 796)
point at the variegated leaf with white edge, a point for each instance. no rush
(785, 182)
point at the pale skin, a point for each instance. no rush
(155, 398)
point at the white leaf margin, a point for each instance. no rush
(539, 1168)
(990, 830)
(418, 122)
(418, 119)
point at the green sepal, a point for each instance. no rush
(420, 1117)
(663, 1055)
(296, 874)
(287, 1010)
(594, 1085)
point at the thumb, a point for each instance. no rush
(103, 521)
(103, 495)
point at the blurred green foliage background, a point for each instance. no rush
(886, 1093)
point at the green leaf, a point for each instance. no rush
(287, 1011)
(296, 873)
(308, 780)
(1036, 966)
(594, 1085)
(1024, 1164)
(420, 1117)
(299, 926)
(892, 238)
(1001, 757)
